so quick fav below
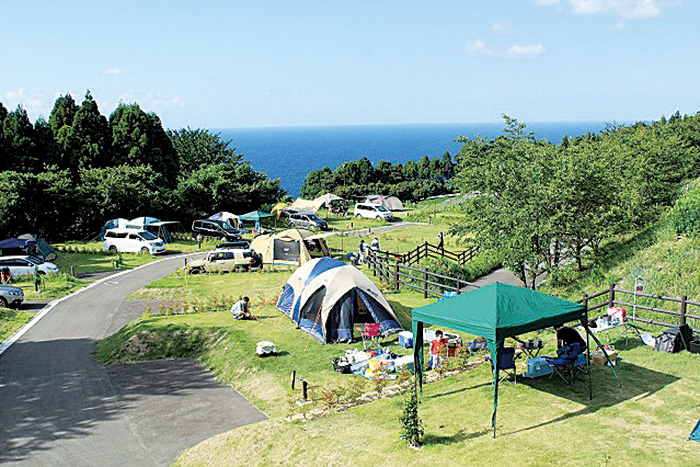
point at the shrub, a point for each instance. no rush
(685, 215)
(411, 424)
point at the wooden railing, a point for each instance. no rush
(427, 250)
(641, 307)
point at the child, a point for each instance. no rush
(435, 348)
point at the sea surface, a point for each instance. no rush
(290, 153)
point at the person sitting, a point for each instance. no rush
(240, 309)
(375, 244)
(435, 348)
(569, 339)
(5, 276)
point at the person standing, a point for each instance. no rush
(361, 249)
(441, 243)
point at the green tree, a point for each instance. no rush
(90, 132)
(195, 148)
(20, 142)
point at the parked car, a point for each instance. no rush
(133, 241)
(226, 260)
(372, 211)
(307, 221)
(215, 229)
(26, 265)
(239, 245)
(10, 296)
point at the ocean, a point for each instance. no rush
(290, 153)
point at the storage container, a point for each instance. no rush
(537, 367)
(406, 339)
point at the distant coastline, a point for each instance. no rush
(290, 153)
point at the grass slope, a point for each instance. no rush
(11, 321)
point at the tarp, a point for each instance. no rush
(291, 246)
(41, 249)
(232, 219)
(255, 216)
(392, 203)
(305, 205)
(495, 312)
(277, 209)
(325, 200)
(16, 243)
(326, 297)
(141, 222)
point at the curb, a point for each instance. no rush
(44, 311)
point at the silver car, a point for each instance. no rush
(11, 296)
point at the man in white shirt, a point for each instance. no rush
(240, 309)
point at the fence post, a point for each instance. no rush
(611, 298)
(396, 276)
(305, 389)
(294, 378)
(684, 307)
(425, 283)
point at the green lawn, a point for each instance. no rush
(541, 422)
(12, 320)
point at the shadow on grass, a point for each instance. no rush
(637, 383)
(458, 437)
(457, 391)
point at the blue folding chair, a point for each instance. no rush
(506, 365)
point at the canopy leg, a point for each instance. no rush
(607, 357)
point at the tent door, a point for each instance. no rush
(286, 251)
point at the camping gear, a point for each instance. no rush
(674, 340)
(648, 339)
(370, 333)
(537, 367)
(232, 219)
(404, 361)
(694, 346)
(341, 365)
(600, 359)
(255, 216)
(618, 313)
(695, 434)
(265, 348)
(301, 205)
(506, 364)
(406, 339)
(496, 312)
(326, 298)
(292, 246)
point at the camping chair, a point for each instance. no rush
(506, 365)
(371, 332)
(565, 365)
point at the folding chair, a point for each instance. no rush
(564, 365)
(506, 365)
(371, 332)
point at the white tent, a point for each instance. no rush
(325, 200)
(327, 297)
(392, 203)
(233, 220)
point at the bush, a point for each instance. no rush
(685, 215)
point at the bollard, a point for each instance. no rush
(294, 378)
(305, 390)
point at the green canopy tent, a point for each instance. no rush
(255, 216)
(495, 312)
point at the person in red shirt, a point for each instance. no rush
(435, 348)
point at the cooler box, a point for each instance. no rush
(537, 367)
(405, 361)
(406, 339)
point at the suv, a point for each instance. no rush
(308, 221)
(372, 211)
(26, 265)
(133, 241)
(239, 245)
(225, 260)
(216, 229)
(10, 296)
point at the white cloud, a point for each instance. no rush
(34, 103)
(479, 48)
(150, 102)
(112, 71)
(625, 9)
(503, 27)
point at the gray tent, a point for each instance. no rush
(392, 203)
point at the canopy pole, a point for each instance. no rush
(588, 356)
(607, 357)
(495, 359)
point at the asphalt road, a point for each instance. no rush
(59, 406)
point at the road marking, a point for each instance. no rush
(44, 311)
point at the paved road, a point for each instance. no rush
(58, 406)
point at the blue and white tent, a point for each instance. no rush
(327, 297)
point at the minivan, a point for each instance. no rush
(307, 221)
(215, 229)
(133, 241)
(372, 211)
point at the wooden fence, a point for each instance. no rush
(428, 250)
(648, 308)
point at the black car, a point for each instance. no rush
(215, 229)
(239, 245)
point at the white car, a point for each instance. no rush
(133, 241)
(26, 265)
(372, 211)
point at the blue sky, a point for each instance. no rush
(327, 62)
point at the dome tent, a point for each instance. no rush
(326, 297)
(291, 246)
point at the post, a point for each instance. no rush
(294, 378)
(305, 390)
(425, 283)
(396, 276)
(611, 297)
(684, 308)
